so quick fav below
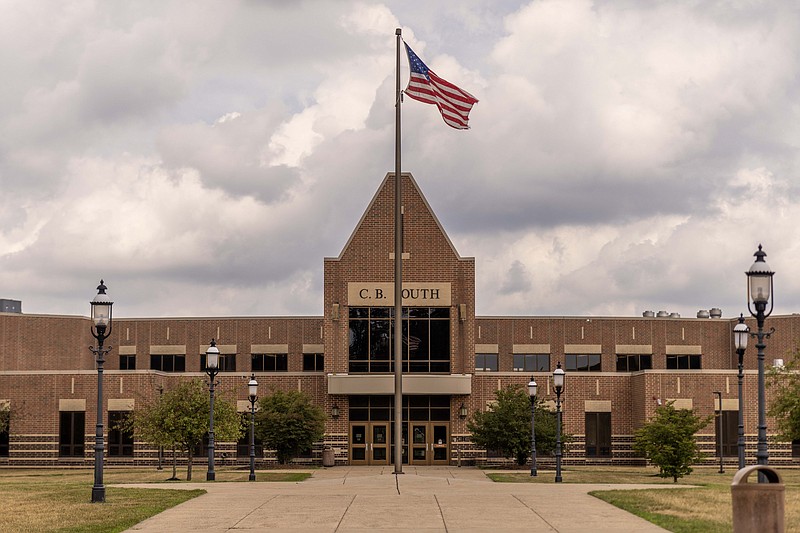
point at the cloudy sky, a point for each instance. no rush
(203, 157)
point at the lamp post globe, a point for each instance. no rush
(760, 302)
(212, 369)
(532, 395)
(101, 306)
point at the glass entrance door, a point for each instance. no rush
(430, 443)
(379, 445)
(440, 443)
(369, 443)
(419, 444)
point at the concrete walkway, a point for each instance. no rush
(358, 499)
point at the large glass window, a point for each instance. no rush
(583, 363)
(269, 362)
(415, 408)
(426, 339)
(598, 434)
(71, 430)
(531, 363)
(684, 362)
(4, 438)
(168, 363)
(730, 433)
(486, 362)
(120, 438)
(634, 363)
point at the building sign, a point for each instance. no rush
(414, 294)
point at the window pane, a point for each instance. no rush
(519, 362)
(542, 363)
(645, 362)
(359, 338)
(622, 363)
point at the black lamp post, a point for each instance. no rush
(719, 426)
(532, 395)
(740, 334)
(252, 389)
(212, 369)
(101, 321)
(759, 289)
(558, 384)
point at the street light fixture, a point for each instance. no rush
(212, 369)
(719, 425)
(759, 292)
(532, 395)
(101, 329)
(252, 389)
(740, 334)
(558, 384)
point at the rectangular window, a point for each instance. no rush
(120, 441)
(269, 362)
(71, 433)
(426, 339)
(730, 433)
(683, 362)
(4, 439)
(313, 362)
(532, 363)
(486, 362)
(127, 362)
(583, 363)
(227, 362)
(168, 363)
(598, 434)
(634, 363)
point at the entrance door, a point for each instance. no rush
(430, 443)
(379, 446)
(369, 443)
(419, 444)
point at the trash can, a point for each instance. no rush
(758, 507)
(328, 458)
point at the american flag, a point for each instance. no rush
(425, 86)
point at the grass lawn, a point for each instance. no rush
(59, 500)
(705, 508)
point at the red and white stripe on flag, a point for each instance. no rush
(425, 86)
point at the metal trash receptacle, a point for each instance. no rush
(328, 457)
(758, 507)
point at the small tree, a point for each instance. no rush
(506, 426)
(180, 418)
(289, 423)
(784, 405)
(667, 440)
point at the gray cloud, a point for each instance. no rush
(204, 158)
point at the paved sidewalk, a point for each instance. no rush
(359, 499)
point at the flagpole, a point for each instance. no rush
(398, 277)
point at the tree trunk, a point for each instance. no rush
(174, 464)
(189, 466)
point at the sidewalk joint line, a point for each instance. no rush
(534, 512)
(441, 513)
(339, 524)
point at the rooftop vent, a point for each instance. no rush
(674, 315)
(648, 314)
(716, 312)
(703, 314)
(662, 314)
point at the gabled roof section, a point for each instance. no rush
(385, 190)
